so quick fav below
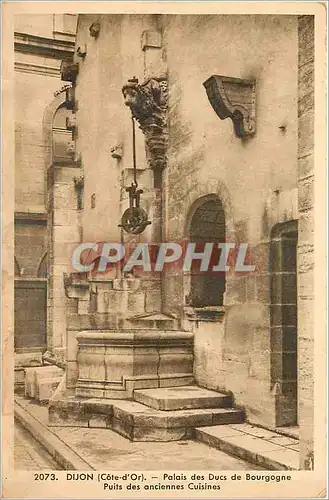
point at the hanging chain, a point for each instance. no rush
(134, 153)
(134, 220)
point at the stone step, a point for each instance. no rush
(136, 421)
(262, 447)
(141, 423)
(181, 398)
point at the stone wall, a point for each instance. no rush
(306, 238)
(41, 41)
(255, 178)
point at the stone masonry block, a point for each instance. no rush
(306, 194)
(305, 165)
(306, 133)
(305, 258)
(306, 228)
(46, 388)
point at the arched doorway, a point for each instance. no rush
(207, 225)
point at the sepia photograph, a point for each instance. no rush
(164, 322)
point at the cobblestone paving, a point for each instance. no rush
(28, 454)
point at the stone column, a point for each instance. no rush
(63, 233)
(305, 238)
(148, 104)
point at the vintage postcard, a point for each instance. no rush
(164, 250)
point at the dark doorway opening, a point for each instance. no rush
(30, 314)
(284, 322)
(207, 226)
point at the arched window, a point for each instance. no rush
(62, 138)
(43, 266)
(207, 225)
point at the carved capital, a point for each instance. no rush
(234, 98)
(69, 71)
(148, 105)
(147, 102)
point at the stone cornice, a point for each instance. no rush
(31, 217)
(38, 69)
(57, 49)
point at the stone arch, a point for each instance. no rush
(207, 225)
(48, 117)
(212, 189)
(42, 271)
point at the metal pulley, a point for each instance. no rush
(134, 219)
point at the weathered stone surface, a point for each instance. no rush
(46, 388)
(306, 194)
(259, 446)
(180, 398)
(306, 133)
(28, 359)
(100, 421)
(225, 354)
(306, 40)
(35, 376)
(175, 380)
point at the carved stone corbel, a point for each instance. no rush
(69, 71)
(234, 98)
(148, 105)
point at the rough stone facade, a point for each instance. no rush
(240, 171)
(204, 159)
(306, 238)
(41, 43)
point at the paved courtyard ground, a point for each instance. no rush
(103, 449)
(29, 454)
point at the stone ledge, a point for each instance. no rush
(60, 451)
(136, 421)
(181, 398)
(207, 314)
(259, 446)
(137, 336)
